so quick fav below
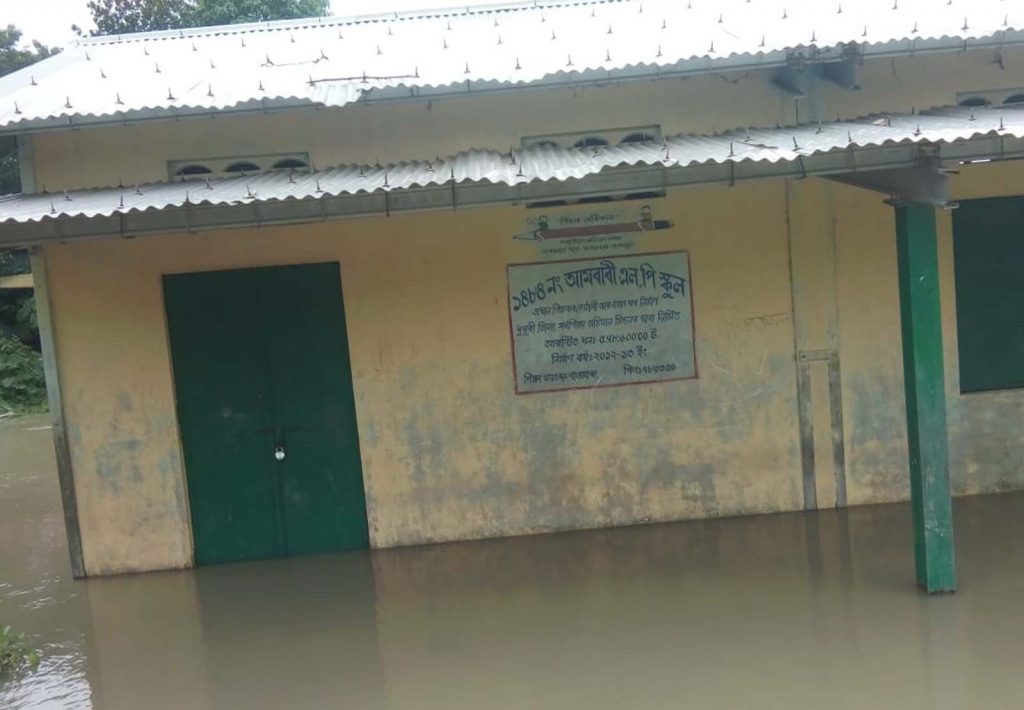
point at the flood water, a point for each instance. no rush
(783, 611)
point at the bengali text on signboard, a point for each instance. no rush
(600, 322)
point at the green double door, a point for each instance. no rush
(266, 412)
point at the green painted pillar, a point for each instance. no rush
(925, 388)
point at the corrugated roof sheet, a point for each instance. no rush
(334, 61)
(536, 163)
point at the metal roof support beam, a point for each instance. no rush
(926, 183)
(803, 80)
(800, 77)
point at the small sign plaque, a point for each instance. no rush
(601, 322)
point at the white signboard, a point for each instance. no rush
(591, 233)
(601, 322)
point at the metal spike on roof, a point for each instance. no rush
(987, 22)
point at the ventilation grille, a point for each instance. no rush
(991, 97)
(202, 168)
(597, 138)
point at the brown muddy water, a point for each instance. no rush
(782, 611)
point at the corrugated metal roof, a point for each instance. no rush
(537, 163)
(334, 61)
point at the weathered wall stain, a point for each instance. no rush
(449, 451)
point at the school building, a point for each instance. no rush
(510, 269)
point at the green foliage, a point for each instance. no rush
(22, 385)
(18, 315)
(10, 174)
(14, 653)
(123, 16)
(14, 261)
(13, 58)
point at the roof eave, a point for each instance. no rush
(683, 69)
(191, 218)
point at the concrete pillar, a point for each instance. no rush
(924, 386)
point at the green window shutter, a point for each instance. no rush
(988, 248)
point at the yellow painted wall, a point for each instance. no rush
(449, 452)
(16, 281)
(417, 130)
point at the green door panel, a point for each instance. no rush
(221, 386)
(314, 409)
(261, 361)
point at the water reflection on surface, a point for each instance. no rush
(794, 611)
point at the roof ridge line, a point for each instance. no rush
(468, 10)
